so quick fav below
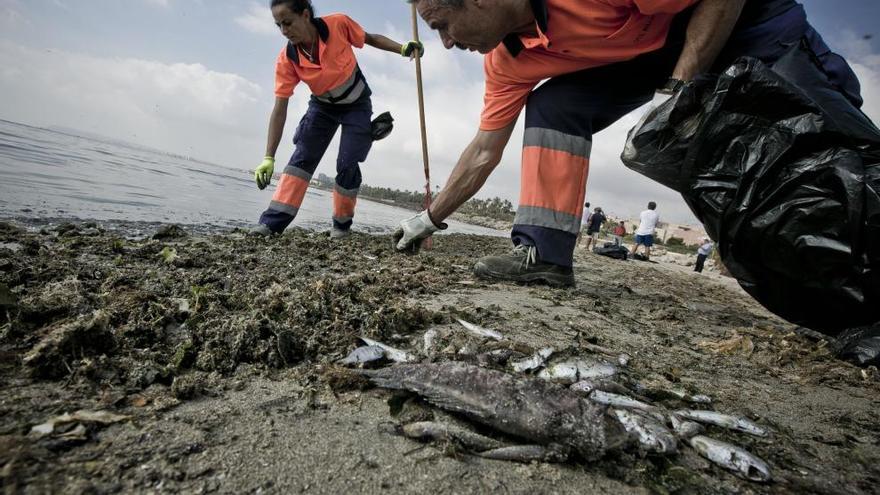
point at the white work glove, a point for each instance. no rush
(412, 231)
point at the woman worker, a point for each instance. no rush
(319, 53)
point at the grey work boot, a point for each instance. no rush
(338, 234)
(260, 231)
(522, 265)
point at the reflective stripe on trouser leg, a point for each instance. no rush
(287, 199)
(344, 201)
(554, 175)
(312, 137)
(561, 117)
(354, 146)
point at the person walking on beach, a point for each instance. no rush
(593, 227)
(319, 53)
(585, 222)
(645, 233)
(703, 252)
(619, 233)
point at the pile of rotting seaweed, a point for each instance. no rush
(81, 302)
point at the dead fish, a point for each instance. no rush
(587, 386)
(622, 401)
(364, 354)
(584, 386)
(723, 420)
(733, 458)
(528, 408)
(651, 434)
(429, 339)
(685, 429)
(527, 453)
(391, 353)
(480, 331)
(696, 399)
(533, 362)
(573, 370)
(432, 430)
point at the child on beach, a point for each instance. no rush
(319, 53)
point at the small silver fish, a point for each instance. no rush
(696, 399)
(574, 370)
(431, 430)
(430, 339)
(685, 429)
(624, 402)
(365, 354)
(616, 400)
(480, 331)
(587, 386)
(533, 362)
(391, 353)
(723, 420)
(651, 434)
(733, 458)
(584, 386)
(527, 453)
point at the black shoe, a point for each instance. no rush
(860, 346)
(523, 266)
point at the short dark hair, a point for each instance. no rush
(586, 205)
(652, 205)
(297, 6)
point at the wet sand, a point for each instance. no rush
(220, 350)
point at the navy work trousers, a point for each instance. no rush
(312, 137)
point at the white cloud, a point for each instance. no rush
(258, 19)
(11, 15)
(184, 108)
(159, 3)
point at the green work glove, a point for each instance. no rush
(409, 47)
(263, 173)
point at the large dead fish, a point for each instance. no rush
(524, 407)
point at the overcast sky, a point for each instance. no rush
(195, 77)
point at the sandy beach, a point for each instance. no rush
(210, 358)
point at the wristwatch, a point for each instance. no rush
(671, 87)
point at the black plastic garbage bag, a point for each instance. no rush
(785, 174)
(859, 345)
(612, 250)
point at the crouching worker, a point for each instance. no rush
(319, 53)
(576, 67)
